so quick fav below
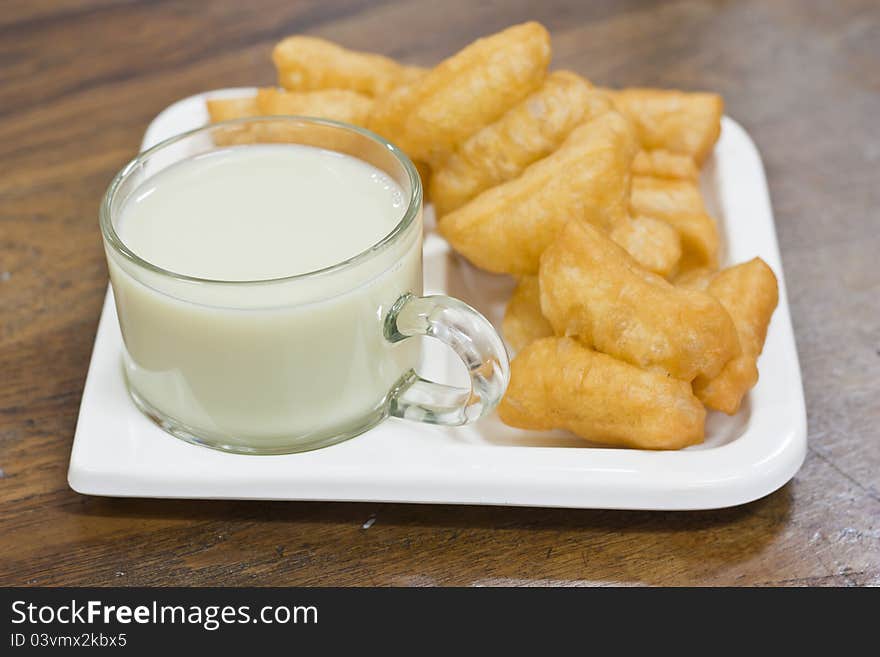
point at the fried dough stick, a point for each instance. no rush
(225, 109)
(558, 383)
(429, 117)
(335, 104)
(306, 63)
(676, 121)
(523, 322)
(749, 292)
(527, 132)
(592, 289)
(507, 227)
(680, 204)
(653, 243)
(665, 164)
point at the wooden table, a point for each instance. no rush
(80, 80)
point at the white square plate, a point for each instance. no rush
(119, 452)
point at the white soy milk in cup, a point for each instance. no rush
(250, 213)
(267, 274)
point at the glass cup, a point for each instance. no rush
(295, 363)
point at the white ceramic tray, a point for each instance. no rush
(119, 452)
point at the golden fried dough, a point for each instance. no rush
(429, 117)
(335, 104)
(652, 243)
(307, 63)
(748, 292)
(592, 289)
(558, 383)
(527, 132)
(390, 111)
(410, 74)
(676, 121)
(695, 279)
(665, 164)
(680, 204)
(523, 321)
(224, 109)
(507, 227)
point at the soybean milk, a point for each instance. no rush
(259, 363)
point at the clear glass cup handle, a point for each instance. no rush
(471, 337)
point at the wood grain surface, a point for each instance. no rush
(81, 79)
